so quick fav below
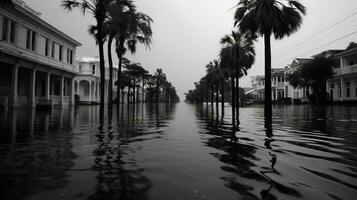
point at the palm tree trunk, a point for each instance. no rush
(122, 96)
(119, 51)
(142, 91)
(110, 89)
(222, 99)
(157, 92)
(217, 99)
(212, 98)
(267, 100)
(134, 99)
(128, 96)
(207, 97)
(238, 97)
(102, 69)
(233, 100)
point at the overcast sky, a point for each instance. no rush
(187, 34)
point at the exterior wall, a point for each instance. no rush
(343, 86)
(23, 36)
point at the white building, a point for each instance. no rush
(277, 82)
(343, 85)
(299, 93)
(37, 63)
(87, 80)
(38, 66)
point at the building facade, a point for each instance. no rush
(343, 85)
(277, 83)
(300, 94)
(37, 65)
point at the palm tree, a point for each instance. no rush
(216, 78)
(118, 15)
(269, 17)
(98, 9)
(160, 78)
(137, 29)
(237, 56)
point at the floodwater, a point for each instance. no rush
(178, 152)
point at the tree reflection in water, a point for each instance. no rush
(240, 158)
(119, 177)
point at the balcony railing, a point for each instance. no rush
(346, 70)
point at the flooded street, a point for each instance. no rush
(178, 152)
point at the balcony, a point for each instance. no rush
(17, 51)
(351, 69)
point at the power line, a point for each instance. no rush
(343, 37)
(331, 42)
(322, 32)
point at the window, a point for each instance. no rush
(93, 69)
(47, 46)
(348, 92)
(31, 39)
(28, 39)
(5, 27)
(34, 39)
(69, 56)
(53, 49)
(13, 32)
(332, 86)
(60, 53)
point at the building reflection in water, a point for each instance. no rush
(35, 151)
(41, 151)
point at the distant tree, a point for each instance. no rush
(352, 45)
(237, 56)
(314, 74)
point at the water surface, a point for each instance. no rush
(178, 152)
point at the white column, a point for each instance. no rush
(61, 90)
(342, 90)
(48, 85)
(90, 91)
(14, 84)
(33, 88)
(73, 85)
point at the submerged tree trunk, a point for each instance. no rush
(102, 69)
(217, 99)
(222, 99)
(268, 97)
(238, 101)
(119, 51)
(110, 88)
(134, 94)
(233, 100)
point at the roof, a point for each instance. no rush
(330, 51)
(21, 6)
(347, 52)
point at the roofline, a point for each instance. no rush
(26, 12)
(347, 52)
(327, 51)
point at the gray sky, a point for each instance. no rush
(187, 34)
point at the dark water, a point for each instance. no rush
(178, 152)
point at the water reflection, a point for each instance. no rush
(35, 152)
(44, 154)
(310, 155)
